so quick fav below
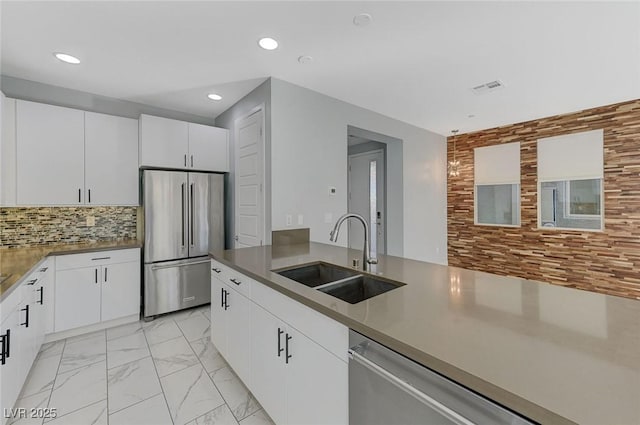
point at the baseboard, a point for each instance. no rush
(56, 336)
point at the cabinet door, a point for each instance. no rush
(10, 382)
(120, 290)
(77, 298)
(163, 142)
(326, 400)
(50, 154)
(208, 148)
(111, 160)
(268, 363)
(218, 317)
(46, 280)
(239, 335)
(28, 325)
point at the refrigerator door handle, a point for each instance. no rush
(183, 215)
(192, 215)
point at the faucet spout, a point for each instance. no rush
(368, 257)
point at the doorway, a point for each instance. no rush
(367, 192)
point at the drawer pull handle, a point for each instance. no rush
(100, 258)
(32, 281)
(237, 282)
(216, 270)
(44, 269)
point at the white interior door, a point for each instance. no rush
(362, 200)
(249, 162)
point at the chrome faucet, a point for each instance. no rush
(368, 256)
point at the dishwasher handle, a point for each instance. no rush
(408, 388)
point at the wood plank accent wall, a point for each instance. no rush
(606, 262)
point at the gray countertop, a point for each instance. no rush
(554, 354)
(18, 262)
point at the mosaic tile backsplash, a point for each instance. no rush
(20, 227)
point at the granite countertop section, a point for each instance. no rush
(19, 262)
(554, 354)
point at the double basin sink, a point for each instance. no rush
(350, 285)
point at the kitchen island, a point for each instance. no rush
(553, 354)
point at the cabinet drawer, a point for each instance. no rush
(98, 258)
(235, 280)
(325, 331)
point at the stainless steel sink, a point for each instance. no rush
(349, 285)
(316, 274)
(359, 288)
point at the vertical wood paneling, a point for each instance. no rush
(606, 262)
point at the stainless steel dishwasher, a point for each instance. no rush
(387, 388)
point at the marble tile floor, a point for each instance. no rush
(162, 372)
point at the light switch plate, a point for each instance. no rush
(91, 221)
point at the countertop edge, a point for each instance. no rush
(55, 253)
(478, 385)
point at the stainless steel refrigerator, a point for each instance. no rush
(183, 221)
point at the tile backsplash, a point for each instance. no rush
(22, 226)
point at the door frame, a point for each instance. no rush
(252, 111)
(384, 198)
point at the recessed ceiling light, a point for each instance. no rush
(362, 19)
(67, 58)
(268, 43)
(214, 96)
(304, 59)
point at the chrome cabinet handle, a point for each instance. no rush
(185, 159)
(100, 258)
(89, 195)
(191, 161)
(79, 196)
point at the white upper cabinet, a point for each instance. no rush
(70, 157)
(208, 148)
(167, 143)
(163, 142)
(50, 154)
(111, 160)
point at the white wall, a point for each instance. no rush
(261, 95)
(309, 154)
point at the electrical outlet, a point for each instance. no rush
(91, 221)
(300, 219)
(289, 220)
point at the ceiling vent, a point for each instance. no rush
(488, 87)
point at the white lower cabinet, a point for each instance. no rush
(108, 289)
(231, 311)
(23, 324)
(77, 298)
(296, 379)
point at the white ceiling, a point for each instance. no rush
(415, 62)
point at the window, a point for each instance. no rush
(570, 171)
(497, 185)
